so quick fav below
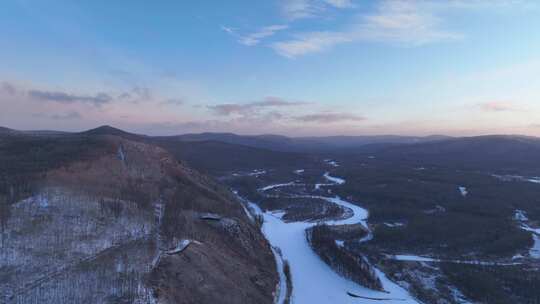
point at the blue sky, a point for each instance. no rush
(296, 67)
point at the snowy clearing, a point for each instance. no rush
(257, 172)
(331, 162)
(415, 258)
(335, 180)
(318, 186)
(394, 225)
(521, 217)
(534, 252)
(517, 178)
(463, 191)
(270, 187)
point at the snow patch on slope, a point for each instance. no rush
(415, 258)
(331, 162)
(270, 187)
(333, 179)
(521, 217)
(463, 191)
(534, 252)
(517, 178)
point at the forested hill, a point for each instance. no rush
(101, 218)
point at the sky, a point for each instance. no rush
(291, 67)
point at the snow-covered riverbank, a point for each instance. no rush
(314, 281)
(416, 258)
(522, 218)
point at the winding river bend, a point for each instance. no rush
(313, 280)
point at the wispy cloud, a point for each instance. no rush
(65, 116)
(63, 97)
(340, 3)
(136, 94)
(8, 88)
(174, 102)
(406, 22)
(498, 106)
(252, 107)
(227, 29)
(395, 21)
(256, 37)
(329, 118)
(300, 9)
(310, 43)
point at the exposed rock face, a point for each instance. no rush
(97, 229)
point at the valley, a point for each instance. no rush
(306, 268)
(424, 232)
(133, 216)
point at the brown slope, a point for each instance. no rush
(114, 194)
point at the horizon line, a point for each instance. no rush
(270, 134)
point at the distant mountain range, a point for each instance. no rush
(267, 141)
(306, 144)
(520, 153)
(224, 151)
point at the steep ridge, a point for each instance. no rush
(100, 218)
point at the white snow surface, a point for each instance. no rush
(278, 213)
(257, 172)
(313, 280)
(394, 225)
(535, 180)
(534, 252)
(463, 191)
(245, 206)
(331, 162)
(340, 243)
(521, 217)
(270, 187)
(318, 186)
(519, 178)
(415, 258)
(281, 290)
(181, 246)
(530, 229)
(335, 180)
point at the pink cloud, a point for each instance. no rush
(497, 106)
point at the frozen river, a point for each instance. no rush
(313, 280)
